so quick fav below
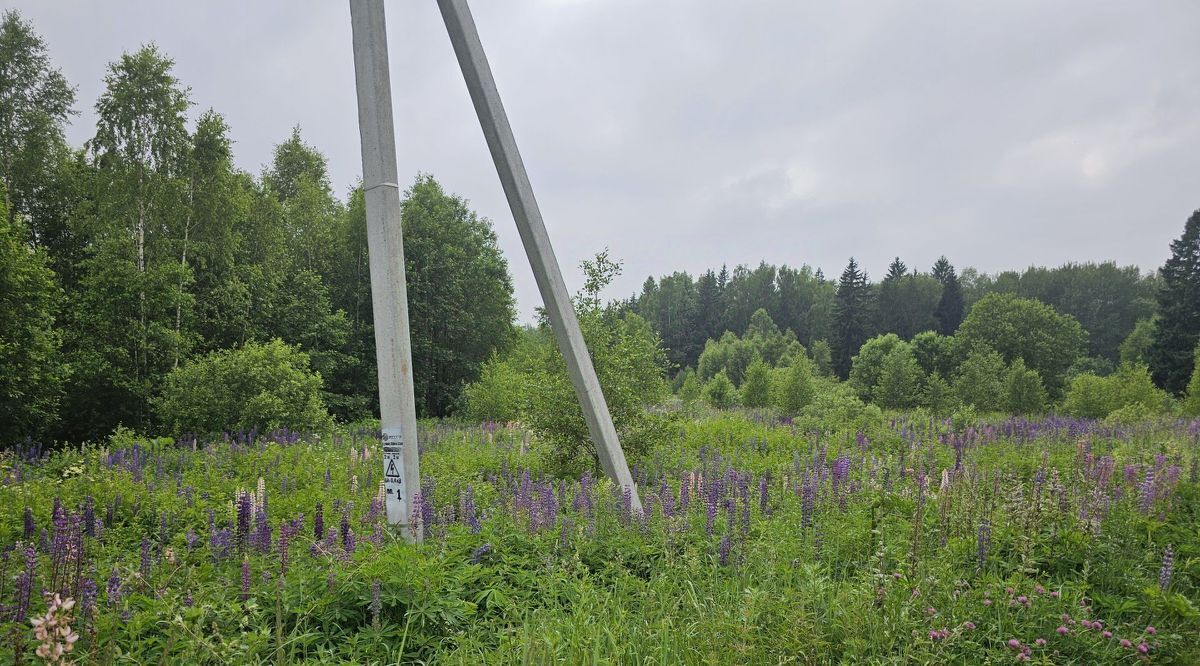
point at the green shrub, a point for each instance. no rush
(899, 380)
(1023, 390)
(719, 391)
(499, 394)
(979, 381)
(691, 390)
(1191, 403)
(1092, 396)
(795, 388)
(756, 387)
(257, 385)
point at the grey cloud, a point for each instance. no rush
(683, 134)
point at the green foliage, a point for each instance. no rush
(267, 386)
(1089, 397)
(900, 378)
(458, 283)
(731, 355)
(629, 363)
(1047, 341)
(851, 318)
(938, 395)
(1177, 330)
(1135, 349)
(500, 393)
(1023, 390)
(691, 390)
(719, 391)
(867, 366)
(935, 353)
(979, 381)
(31, 366)
(796, 387)
(756, 387)
(822, 358)
(1191, 404)
(1130, 388)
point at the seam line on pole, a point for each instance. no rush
(368, 189)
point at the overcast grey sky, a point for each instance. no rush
(686, 134)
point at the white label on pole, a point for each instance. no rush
(393, 475)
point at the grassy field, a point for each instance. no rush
(908, 541)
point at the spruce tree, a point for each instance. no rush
(851, 315)
(896, 270)
(949, 312)
(1178, 324)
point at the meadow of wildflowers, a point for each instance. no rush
(908, 541)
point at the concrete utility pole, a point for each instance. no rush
(389, 294)
(503, 146)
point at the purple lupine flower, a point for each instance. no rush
(262, 538)
(145, 570)
(25, 583)
(983, 543)
(1167, 569)
(87, 597)
(243, 520)
(245, 579)
(319, 522)
(469, 515)
(723, 550)
(285, 534)
(114, 590)
(626, 506)
(191, 538)
(344, 528)
(808, 499)
(376, 602)
(479, 553)
(221, 543)
(30, 525)
(89, 517)
(841, 470)
(1146, 492)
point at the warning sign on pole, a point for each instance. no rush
(393, 475)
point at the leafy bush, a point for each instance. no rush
(795, 387)
(532, 382)
(719, 391)
(899, 381)
(756, 387)
(1191, 403)
(979, 381)
(267, 386)
(1049, 342)
(1129, 387)
(867, 366)
(691, 389)
(1023, 390)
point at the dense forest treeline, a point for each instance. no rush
(1107, 300)
(143, 264)
(146, 248)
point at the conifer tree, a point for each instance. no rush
(949, 312)
(851, 315)
(1178, 326)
